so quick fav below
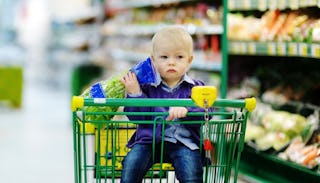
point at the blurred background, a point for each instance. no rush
(51, 50)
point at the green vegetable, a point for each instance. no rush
(112, 88)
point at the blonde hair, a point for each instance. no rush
(176, 35)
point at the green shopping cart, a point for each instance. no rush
(100, 142)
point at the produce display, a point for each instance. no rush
(299, 152)
(292, 137)
(275, 25)
(199, 14)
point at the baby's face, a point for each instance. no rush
(172, 61)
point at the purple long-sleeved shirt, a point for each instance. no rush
(188, 134)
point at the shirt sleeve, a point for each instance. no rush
(137, 109)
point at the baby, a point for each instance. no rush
(172, 55)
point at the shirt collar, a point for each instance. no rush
(185, 78)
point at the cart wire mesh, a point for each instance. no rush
(100, 142)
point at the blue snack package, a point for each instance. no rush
(144, 71)
(96, 91)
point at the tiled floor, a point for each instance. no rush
(36, 140)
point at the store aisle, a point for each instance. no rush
(36, 140)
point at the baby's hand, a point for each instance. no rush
(131, 83)
(177, 112)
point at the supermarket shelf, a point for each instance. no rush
(122, 4)
(291, 49)
(140, 30)
(271, 4)
(274, 169)
(134, 57)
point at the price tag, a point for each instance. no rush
(292, 49)
(262, 5)
(315, 50)
(271, 48)
(243, 48)
(282, 4)
(273, 4)
(252, 48)
(246, 4)
(232, 47)
(303, 3)
(312, 2)
(99, 100)
(235, 47)
(282, 49)
(294, 4)
(303, 49)
(232, 4)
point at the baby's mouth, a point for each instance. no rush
(171, 70)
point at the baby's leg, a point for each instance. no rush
(136, 163)
(186, 162)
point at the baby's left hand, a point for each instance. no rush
(177, 112)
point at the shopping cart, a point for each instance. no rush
(100, 144)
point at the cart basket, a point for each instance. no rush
(100, 137)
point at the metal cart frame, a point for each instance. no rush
(99, 145)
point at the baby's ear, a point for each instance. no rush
(190, 58)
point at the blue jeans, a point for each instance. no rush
(187, 163)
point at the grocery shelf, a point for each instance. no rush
(294, 49)
(271, 4)
(140, 29)
(269, 167)
(122, 4)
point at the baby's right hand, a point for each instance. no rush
(131, 83)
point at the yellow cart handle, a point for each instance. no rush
(204, 96)
(250, 103)
(76, 103)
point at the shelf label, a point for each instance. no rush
(243, 48)
(252, 48)
(313, 2)
(232, 4)
(232, 47)
(282, 4)
(271, 48)
(303, 3)
(262, 5)
(292, 49)
(235, 47)
(273, 4)
(303, 49)
(315, 50)
(282, 49)
(294, 4)
(246, 4)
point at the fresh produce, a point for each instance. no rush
(268, 128)
(113, 88)
(305, 155)
(110, 88)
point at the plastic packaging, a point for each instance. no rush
(145, 72)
